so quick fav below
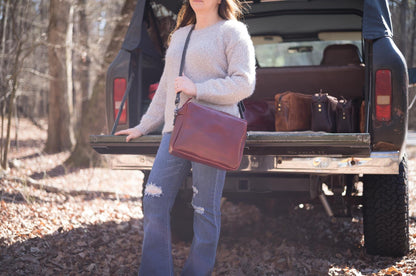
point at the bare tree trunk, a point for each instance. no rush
(68, 63)
(5, 17)
(82, 61)
(404, 7)
(413, 38)
(11, 104)
(60, 134)
(93, 119)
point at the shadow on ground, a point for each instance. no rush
(103, 249)
(302, 242)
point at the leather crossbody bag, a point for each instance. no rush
(206, 135)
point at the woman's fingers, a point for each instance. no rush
(128, 138)
(185, 85)
(178, 84)
(131, 133)
(124, 131)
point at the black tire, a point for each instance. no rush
(386, 213)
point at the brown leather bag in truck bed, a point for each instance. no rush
(293, 111)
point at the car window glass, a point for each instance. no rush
(301, 53)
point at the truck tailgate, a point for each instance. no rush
(304, 143)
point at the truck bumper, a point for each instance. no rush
(376, 163)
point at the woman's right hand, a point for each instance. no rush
(130, 132)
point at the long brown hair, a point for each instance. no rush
(228, 9)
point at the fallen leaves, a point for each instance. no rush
(90, 223)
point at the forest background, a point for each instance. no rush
(54, 55)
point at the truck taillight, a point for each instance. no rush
(383, 95)
(119, 88)
(152, 90)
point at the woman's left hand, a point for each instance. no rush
(185, 85)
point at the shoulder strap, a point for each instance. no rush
(178, 97)
(185, 47)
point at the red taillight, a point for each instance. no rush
(152, 90)
(119, 89)
(383, 95)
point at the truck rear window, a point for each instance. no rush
(273, 52)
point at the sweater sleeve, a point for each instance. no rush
(240, 80)
(154, 115)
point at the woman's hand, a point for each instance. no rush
(185, 85)
(130, 132)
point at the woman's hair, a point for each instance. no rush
(228, 9)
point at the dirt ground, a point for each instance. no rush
(56, 221)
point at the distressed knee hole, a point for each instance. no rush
(195, 190)
(199, 210)
(153, 190)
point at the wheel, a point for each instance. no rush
(386, 213)
(182, 217)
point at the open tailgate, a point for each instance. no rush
(303, 143)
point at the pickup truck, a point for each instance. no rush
(290, 39)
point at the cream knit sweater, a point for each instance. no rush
(220, 61)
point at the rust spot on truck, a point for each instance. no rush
(385, 146)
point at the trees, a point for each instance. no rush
(88, 117)
(19, 40)
(404, 25)
(60, 132)
(27, 71)
(93, 119)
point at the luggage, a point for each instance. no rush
(259, 115)
(347, 116)
(293, 111)
(318, 112)
(323, 112)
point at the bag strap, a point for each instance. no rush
(185, 47)
(241, 107)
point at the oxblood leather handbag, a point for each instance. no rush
(323, 112)
(206, 135)
(293, 111)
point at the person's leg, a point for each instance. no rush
(165, 179)
(208, 184)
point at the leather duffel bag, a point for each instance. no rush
(347, 116)
(323, 112)
(259, 115)
(293, 111)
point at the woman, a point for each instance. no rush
(219, 72)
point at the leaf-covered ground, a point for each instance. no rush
(56, 221)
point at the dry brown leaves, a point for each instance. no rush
(89, 222)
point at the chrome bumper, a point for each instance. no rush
(376, 163)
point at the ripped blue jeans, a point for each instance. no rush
(165, 179)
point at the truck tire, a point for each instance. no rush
(386, 213)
